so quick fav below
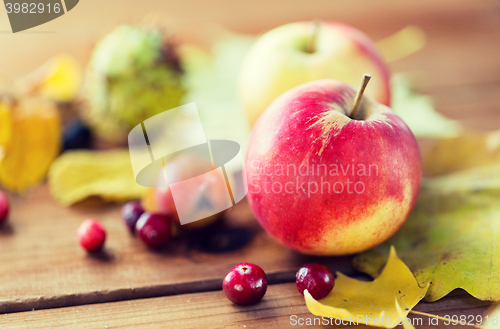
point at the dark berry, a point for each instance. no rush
(91, 235)
(316, 278)
(4, 207)
(245, 284)
(131, 211)
(76, 135)
(154, 229)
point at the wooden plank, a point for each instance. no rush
(281, 306)
(43, 266)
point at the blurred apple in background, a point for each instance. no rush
(295, 53)
(325, 178)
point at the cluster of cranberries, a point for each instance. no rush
(246, 283)
(154, 229)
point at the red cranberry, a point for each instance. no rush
(245, 284)
(4, 207)
(154, 229)
(316, 278)
(91, 235)
(131, 212)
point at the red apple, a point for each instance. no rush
(323, 180)
(295, 53)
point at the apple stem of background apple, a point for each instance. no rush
(311, 45)
(359, 95)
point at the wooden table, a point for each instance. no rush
(47, 281)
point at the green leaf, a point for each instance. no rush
(451, 240)
(211, 80)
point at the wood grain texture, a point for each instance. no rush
(43, 265)
(213, 310)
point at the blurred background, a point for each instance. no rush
(443, 57)
(445, 63)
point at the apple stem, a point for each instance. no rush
(311, 45)
(359, 95)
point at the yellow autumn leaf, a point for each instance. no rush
(31, 143)
(418, 111)
(59, 79)
(372, 303)
(77, 175)
(402, 43)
